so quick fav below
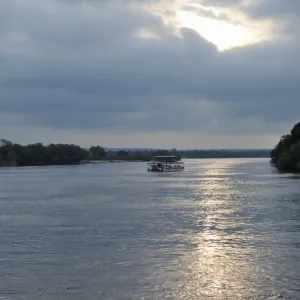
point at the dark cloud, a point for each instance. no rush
(90, 67)
(275, 8)
(284, 14)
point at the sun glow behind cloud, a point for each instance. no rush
(235, 30)
(224, 35)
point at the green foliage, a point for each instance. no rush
(7, 153)
(39, 154)
(123, 153)
(286, 154)
(282, 146)
(295, 132)
(97, 152)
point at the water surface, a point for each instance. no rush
(221, 229)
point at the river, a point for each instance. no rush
(221, 229)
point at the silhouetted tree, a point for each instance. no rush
(295, 132)
(123, 153)
(286, 154)
(97, 152)
(38, 154)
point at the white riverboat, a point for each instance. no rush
(165, 164)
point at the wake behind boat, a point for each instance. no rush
(165, 164)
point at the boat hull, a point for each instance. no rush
(158, 167)
(173, 170)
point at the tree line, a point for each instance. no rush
(37, 154)
(286, 154)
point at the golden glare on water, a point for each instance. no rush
(218, 268)
(222, 34)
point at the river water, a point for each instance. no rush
(221, 229)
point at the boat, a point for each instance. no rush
(169, 163)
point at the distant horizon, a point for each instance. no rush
(156, 141)
(189, 149)
(138, 148)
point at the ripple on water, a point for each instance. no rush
(221, 229)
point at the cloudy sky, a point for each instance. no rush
(149, 73)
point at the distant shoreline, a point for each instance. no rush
(95, 162)
(38, 154)
(99, 162)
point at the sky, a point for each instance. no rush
(149, 73)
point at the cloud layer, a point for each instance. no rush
(114, 68)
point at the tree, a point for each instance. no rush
(97, 152)
(7, 155)
(286, 154)
(123, 153)
(284, 144)
(5, 143)
(295, 132)
(38, 154)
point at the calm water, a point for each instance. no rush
(222, 229)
